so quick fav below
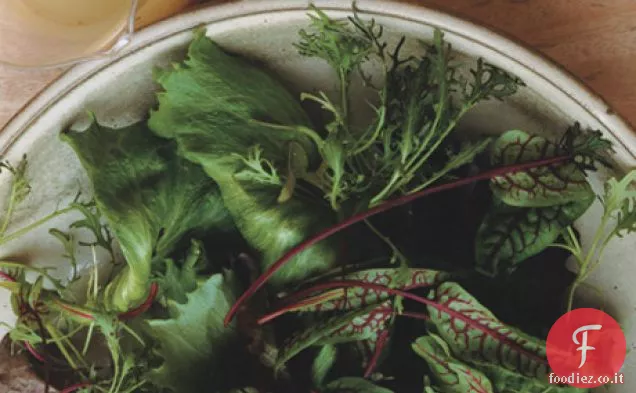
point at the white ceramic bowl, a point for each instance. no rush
(120, 90)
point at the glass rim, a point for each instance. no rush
(121, 42)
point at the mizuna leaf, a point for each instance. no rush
(316, 333)
(620, 199)
(509, 235)
(452, 375)
(478, 336)
(354, 385)
(537, 187)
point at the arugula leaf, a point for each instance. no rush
(193, 343)
(537, 187)
(453, 375)
(214, 106)
(20, 188)
(353, 385)
(509, 235)
(150, 198)
(68, 242)
(484, 338)
(92, 221)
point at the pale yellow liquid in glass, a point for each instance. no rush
(43, 32)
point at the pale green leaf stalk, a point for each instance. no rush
(618, 220)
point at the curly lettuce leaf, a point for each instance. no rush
(222, 111)
(193, 343)
(150, 197)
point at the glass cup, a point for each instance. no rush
(45, 33)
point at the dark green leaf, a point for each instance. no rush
(506, 381)
(546, 185)
(194, 345)
(354, 385)
(509, 235)
(150, 197)
(322, 364)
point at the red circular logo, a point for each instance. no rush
(586, 348)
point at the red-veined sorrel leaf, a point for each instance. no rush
(452, 375)
(386, 206)
(316, 333)
(343, 299)
(364, 327)
(546, 185)
(475, 335)
(507, 381)
(509, 235)
(371, 331)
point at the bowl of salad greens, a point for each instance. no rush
(275, 197)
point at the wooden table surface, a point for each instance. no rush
(593, 39)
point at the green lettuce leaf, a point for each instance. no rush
(215, 105)
(197, 350)
(150, 197)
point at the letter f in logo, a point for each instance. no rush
(584, 347)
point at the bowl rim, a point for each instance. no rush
(529, 59)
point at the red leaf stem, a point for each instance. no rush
(440, 307)
(260, 282)
(76, 387)
(154, 289)
(6, 277)
(379, 346)
(33, 352)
